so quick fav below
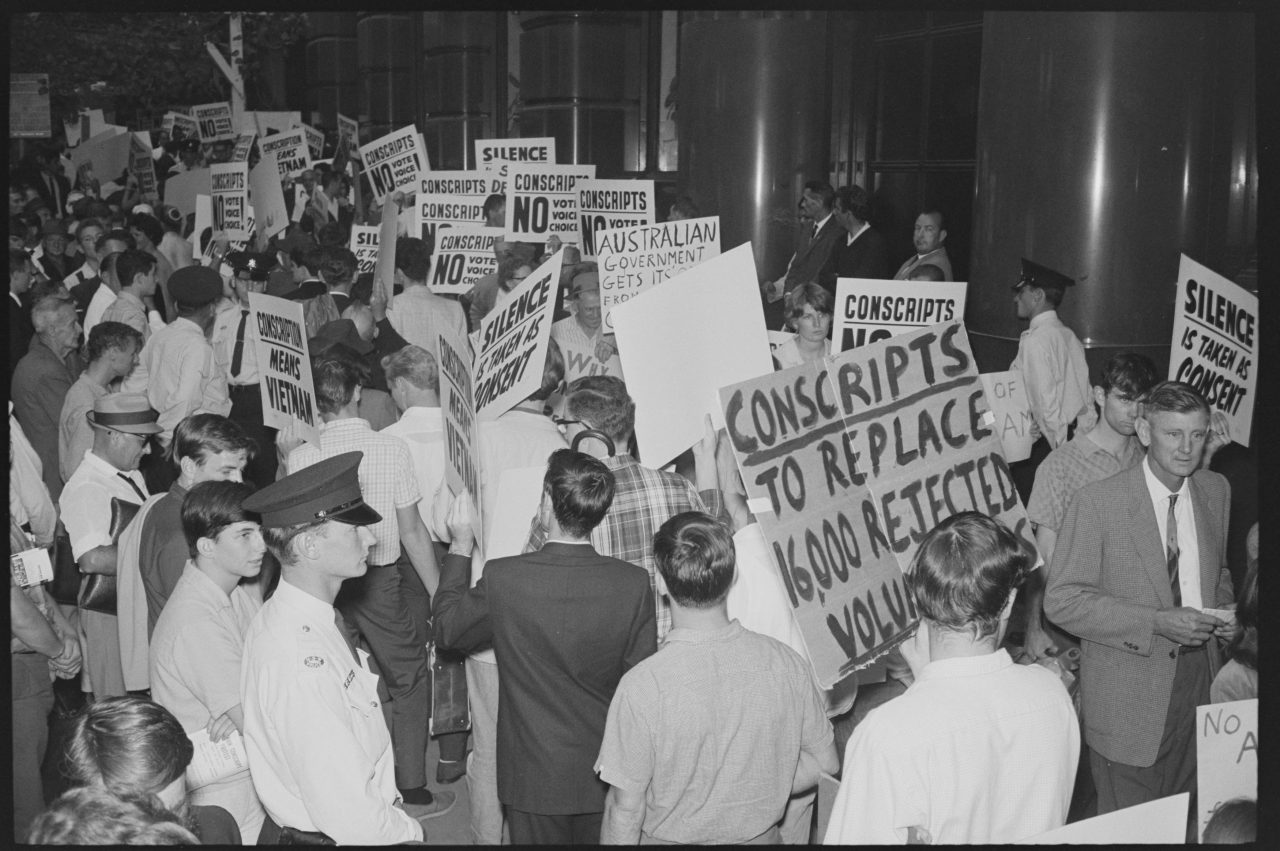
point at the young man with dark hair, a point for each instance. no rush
(862, 251)
(813, 249)
(978, 749)
(136, 273)
(566, 624)
(418, 314)
(112, 351)
(675, 775)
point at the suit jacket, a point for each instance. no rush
(937, 257)
(1107, 579)
(34, 176)
(20, 333)
(806, 267)
(867, 257)
(565, 623)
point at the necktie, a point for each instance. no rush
(237, 355)
(1171, 550)
(142, 496)
(341, 624)
(814, 234)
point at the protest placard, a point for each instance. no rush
(1007, 398)
(203, 224)
(1226, 756)
(867, 311)
(681, 343)
(542, 202)
(90, 123)
(142, 165)
(229, 189)
(395, 161)
(515, 504)
(512, 342)
(364, 245)
(848, 463)
(288, 392)
(496, 155)
(288, 151)
(29, 115)
(267, 198)
(182, 126)
(315, 141)
(269, 123)
(213, 121)
(463, 256)
(107, 152)
(611, 205)
(1159, 822)
(348, 133)
(1215, 343)
(181, 189)
(461, 435)
(453, 198)
(244, 144)
(631, 260)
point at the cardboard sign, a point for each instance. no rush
(632, 260)
(269, 123)
(348, 133)
(1226, 756)
(182, 126)
(514, 507)
(229, 189)
(848, 463)
(77, 131)
(244, 144)
(463, 256)
(452, 199)
(867, 311)
(1007, 398)
(203, 222)
(1215, 343)
(496, 155)
(611, 205)
(681, 343)
(142, 165)
(777, 338)
(1159, 822)
(315, 140)
(213, 122)
(181, 189)
(267, 197)
(108, 153)
(513, 341)
(29, 115)
(542, 202)
(288, 392)
(288, 151)
(364, 245)
(461, 427)
(394, 162)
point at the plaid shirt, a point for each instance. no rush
(643, 499)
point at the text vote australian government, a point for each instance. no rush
(867, 311)
(1215, 343)
(288, 151)
(453, 198)
(463, 255)
(849, 462)
(288, 392)
(458, 410)
(612, 204)
(542, 202)
(511, 345)
(394, 162)
(495, 155)
(631, 260)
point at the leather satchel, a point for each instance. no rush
(65, 587)
(98, 590)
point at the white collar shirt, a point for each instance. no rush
(866, 226)
(1188, 541)
(103, 296)
(422, 430)
(85, 503)
(225, 328)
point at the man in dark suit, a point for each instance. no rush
(862, 252)
(1139, 565)
(811, 256)
(42, 171)
(566, 623)
(21, 275)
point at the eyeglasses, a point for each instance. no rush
(141, 438)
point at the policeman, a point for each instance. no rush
(235, 346)
(318, 746)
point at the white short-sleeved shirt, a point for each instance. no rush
(85, 504)
(422, 430)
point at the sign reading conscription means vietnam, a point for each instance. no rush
(288, 151)
(867, 311)
(213, 121)
(452, 198)
(542, 201)
(513, 342)
(394, 162)
(849, 462)
(229, 188)
(463, 256)
(1215, 343)
(631, 260)
(364, 245)
(610, 205)
(288, 392)
(496, 155)
(457, 406)
(1226, 756)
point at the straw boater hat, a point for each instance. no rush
(128, 412)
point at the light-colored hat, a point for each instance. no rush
(129, 412)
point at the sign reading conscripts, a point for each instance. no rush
(229, 188)
(867, 311)
(396, 161)
(611, 205)
(454, 198)
(213, 121)
(463, 256)
(542, 202)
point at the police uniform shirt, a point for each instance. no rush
(223, 336)
(318, 747)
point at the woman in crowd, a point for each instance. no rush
(809, 313)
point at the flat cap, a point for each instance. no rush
(195, 285)
(1035, 275)
(328, 490)
(257, 265)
